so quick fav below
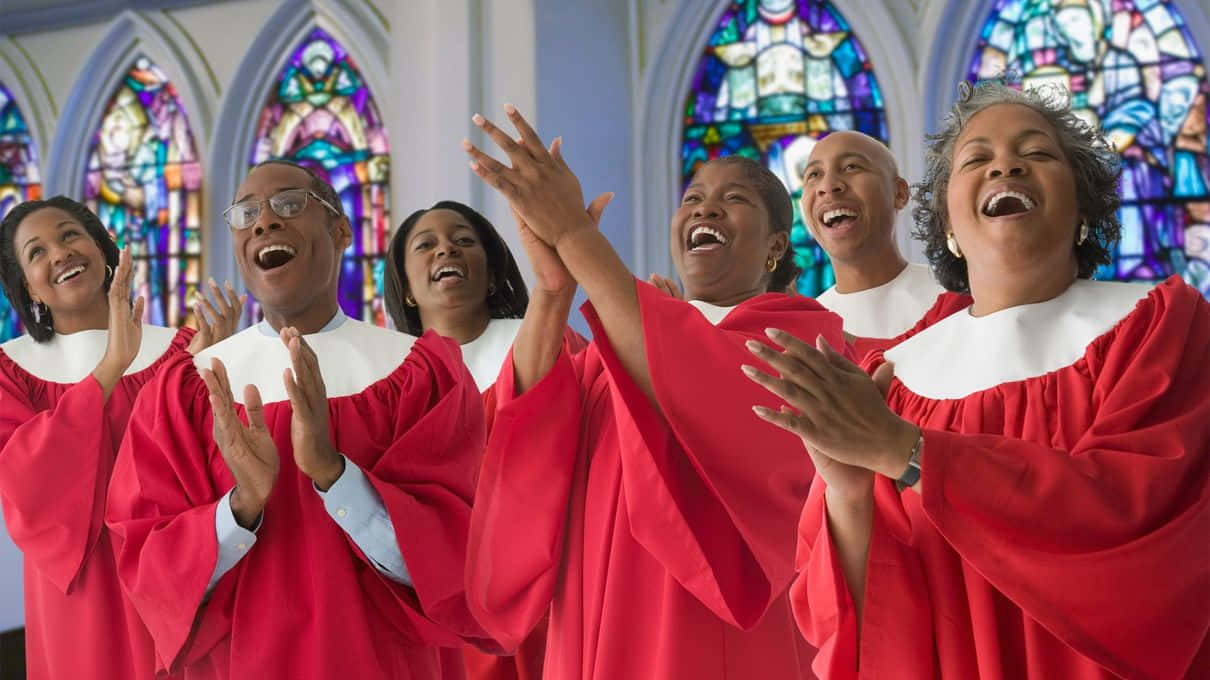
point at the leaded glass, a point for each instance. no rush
(321, 115)
(144, 181)
(1132, 68)
(776, 76)
(19, 182)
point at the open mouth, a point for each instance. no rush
(1004, 203)
(703, 238)
(274, 256)
(449, 271)
(838, 217)
(70, 274)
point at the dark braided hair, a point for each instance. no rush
(510, 298)
(13, 277)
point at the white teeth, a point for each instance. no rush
(449, 269)
(831, 215)
(260, 254)
(990, 207)
(69, 273)
(696, 231)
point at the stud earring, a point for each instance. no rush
(1083, 234)
(409, 301)
(771, 264)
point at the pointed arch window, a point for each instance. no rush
(321, 115)
(19, 182)
(774, 77)
(144, 181)
(1133, 69)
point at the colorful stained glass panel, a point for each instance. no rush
(322, 116)
(776, 76)
(1133, 69)
(144, 181)
(19, 182)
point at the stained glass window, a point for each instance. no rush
(322, 116)
(1132, 67)
(775, 76)
(144, 182)
(19, 182)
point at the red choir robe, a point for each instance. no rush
(1063, 527)
(59, 437)
(660, 541)
(304, 601)
(484, 356)
(945, 304)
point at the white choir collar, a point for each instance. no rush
(485, 354)
(68, 359)
(335, 322)
(888, 310)
(713, 313)
(964, 354)
(352, 356)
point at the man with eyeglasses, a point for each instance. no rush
(326, 537)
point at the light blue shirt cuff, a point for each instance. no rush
(234, 541)
(357, 508)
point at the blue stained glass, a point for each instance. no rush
(19, 182)
(802, 95)
(1134, 69)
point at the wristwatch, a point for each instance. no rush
(912, 474)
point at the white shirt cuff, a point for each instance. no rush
(357, 508)
(234, 541)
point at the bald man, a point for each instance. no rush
(852, 191)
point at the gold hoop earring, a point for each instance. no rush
(771, 265)
(1083, 234)
(409, 301)
(952, 244)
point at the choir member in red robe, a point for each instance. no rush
(315, 525)
(449, 270)
(66, 391)
(1035, 502)
(851, 193)
(614, 492)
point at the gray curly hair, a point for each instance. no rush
(1095, 165)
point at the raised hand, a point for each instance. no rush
(539, 186)
(842, 416)
(248, 450)
(667, 285)
(125, 327)
(224, 315)
(309, 426)
(551, 274)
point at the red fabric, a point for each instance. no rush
(651, 538)
(945, 304)
(57, 448)
(1062, 531)
(304, 602)
(526, 662)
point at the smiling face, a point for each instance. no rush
(64, 267)
(721, 237)
(851, 193)
(446, 264)
(291, 266)
(1011, 197)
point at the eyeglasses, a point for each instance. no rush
(285, 204)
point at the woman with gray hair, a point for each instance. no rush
(1014, 492)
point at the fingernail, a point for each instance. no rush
(477, 119)
(761, 411)
(466, 144)
(474, 166)
(510, 109)
(754, 346)
(748, 370)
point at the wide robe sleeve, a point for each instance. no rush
(520, 516)
(425, 478)
(711, 491)
(55, 464)
(1102, 541)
